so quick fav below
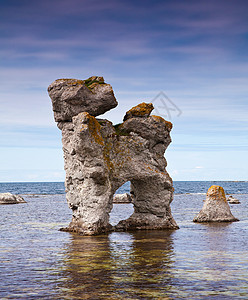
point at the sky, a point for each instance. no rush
(190, 58)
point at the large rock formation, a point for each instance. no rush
(100, 157)
(8, 198)
(215, 207)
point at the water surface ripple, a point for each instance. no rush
(198, 261)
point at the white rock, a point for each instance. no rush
(233, 200)
(122, 198)
(8, 198)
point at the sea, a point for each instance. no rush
(197, 261)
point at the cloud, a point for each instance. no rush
(194, 51)
(24, 54)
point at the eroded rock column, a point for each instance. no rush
(100, 157)
(215, 207)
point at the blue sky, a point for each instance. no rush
(193, 51)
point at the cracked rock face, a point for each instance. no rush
(100, 158)
(215, 207)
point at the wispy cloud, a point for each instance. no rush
(194, 51)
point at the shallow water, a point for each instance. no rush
(198, 261)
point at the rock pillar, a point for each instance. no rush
(100, 157)
(215, 207)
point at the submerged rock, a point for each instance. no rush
(215, 207)
(8, 198)
(122, 198)
(100, 158)
(233, 200)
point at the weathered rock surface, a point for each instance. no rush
(233, 200)
(100, 158)
(215, 207)
(72, 96)
(141, 110)
(8, 198)
(122, 198)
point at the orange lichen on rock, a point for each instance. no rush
(71, 81)
(215, 207)
(162, 120)
(91, 79)
(141, 110)
(217, 192)
(107, 155)
(94, 129)
(94, 81)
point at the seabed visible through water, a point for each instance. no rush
(198, 261)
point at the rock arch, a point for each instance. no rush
(100, 158)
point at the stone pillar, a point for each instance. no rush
(215, 207)
(100, 157)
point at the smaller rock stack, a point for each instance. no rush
(233, 200)
(122, 198)
(8, 198)
(215, 207)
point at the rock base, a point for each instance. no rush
(141, 222)
(87, 230)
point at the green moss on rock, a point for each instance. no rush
(119, 130)
(92, 81)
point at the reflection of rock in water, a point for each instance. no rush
(87, 268)
(146, 271)
(100, 157)
(118, 266)
(216, 258)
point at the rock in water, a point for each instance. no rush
(100, 158)
(8, 198)
(215, 207)
(233, 200)
(122, 198)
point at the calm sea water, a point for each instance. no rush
(198, 261)
(181, 187)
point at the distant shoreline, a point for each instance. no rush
(173, 181)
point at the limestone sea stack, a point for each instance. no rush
(215, 207)
(8, 198)
(99, 158)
